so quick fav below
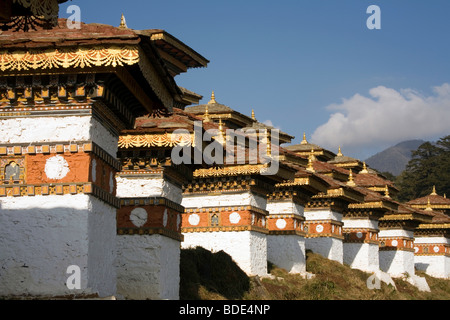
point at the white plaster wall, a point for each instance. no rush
(287, 252)
(432, 240)
(396, 233)
(284, 207)
(57, 129)
(435, 266)
(362, 256)
(323, 215)
(148, 267)
(131, 187)
(224, 199)
(397, 262)
(330, 248)
(360, 223)
(247, 248)
(41, 236)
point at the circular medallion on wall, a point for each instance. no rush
(281, 223)
(194, 219)
(319, 228)
(56, 167)
(359, 235)
(394, 243)
(235, 218)
(139, 217)
(436, 249)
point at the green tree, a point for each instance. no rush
(428, 167)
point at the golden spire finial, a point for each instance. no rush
(364, 170)
(123, 23)
(313, 157)
(445, 196)
(269, 144)
(253, 115)
(350, 181)
(221, 132)
(386, 192)
(213, 98)
(310, 166)
(206, 116)
(428, 208)
(339, 152)
(433, 193)
(304, 141)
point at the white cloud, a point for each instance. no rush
(386, 117)
(268, 123)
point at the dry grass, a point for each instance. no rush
(207, 276)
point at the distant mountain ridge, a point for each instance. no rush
(394, 159)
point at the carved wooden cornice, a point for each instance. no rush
(163, 140)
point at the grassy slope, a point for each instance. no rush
(214, 276)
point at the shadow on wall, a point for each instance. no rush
(216, 272)
(422, 266)
(39, 246)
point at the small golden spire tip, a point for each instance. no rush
(206, 116)
(213, 98)
(339, 152)
(350, 181)
(433, 193)
(123, 23)
(304, 141)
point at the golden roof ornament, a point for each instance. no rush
(269, 144)
(339, 152)
(213, 98)
(310, 166)
(123, 23)
(386, 192)
(253, 115)
(304, 141)
(206, 116)
(433, 193)
(364, 170)
(350, 181)
(221, 132)
(428, 208)
(313, 157)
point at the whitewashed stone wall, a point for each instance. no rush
(224, 200)
(330, 248)
(41, 236)
(285, 207)
(397, 262)
(362, 256)
(140, 187)
(57, 129)
(434, 265)
(247, 248)
(148, 267)
(287, 252)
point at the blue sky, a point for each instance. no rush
(312, 66)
